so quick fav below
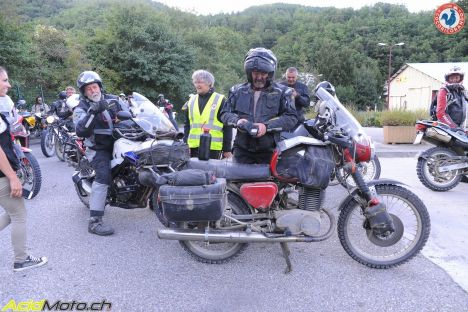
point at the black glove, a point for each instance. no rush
(98, 107)
(249, 128)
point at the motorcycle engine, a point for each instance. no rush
(306, 219)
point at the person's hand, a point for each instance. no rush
(261, 129)
(98, 107)
(295, 93)
(241, 122)
(16, 187)
(227, 155)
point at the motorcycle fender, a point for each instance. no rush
(19, 151)
(26, 150)
(371, 184)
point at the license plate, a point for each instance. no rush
(419, 137)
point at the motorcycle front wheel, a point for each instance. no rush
(48, 142)
(59, 148)
(30, 175)
(428, 172)
(412, 227)
(207, 252)
(369, 170)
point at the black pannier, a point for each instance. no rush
(312, 165)
(162, 154)
(194, 203)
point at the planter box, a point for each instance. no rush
(399, 134)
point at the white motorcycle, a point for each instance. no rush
(147, 144)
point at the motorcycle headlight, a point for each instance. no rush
(363, 149)
(50, 119)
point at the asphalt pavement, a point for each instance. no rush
(136, 271)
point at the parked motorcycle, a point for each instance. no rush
(54, 137)
(441, 168)
(34, 123)
(29, 172)
(251, 204)
(145, 144)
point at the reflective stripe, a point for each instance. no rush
(197, 137)
(103, 131)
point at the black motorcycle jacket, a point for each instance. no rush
(97, 128)
(7, 146)
(275, 108)
(302, 101)
(452, 105)
(60, 109)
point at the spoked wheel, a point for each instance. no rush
(60, 148)
(369, 170)
(30, 176)
(428, 171)
(412, 227)
(217, 252)
(48, 142)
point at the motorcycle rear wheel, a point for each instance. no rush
(412, 227)
(30, 175)
(428, 172)
(48, 141)
(216, 253)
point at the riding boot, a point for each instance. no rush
(97, 227)
(379, 219)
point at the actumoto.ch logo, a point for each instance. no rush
(449, 18)
(45, 305)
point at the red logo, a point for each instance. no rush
(449, 18)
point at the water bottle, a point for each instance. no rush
(205, 143)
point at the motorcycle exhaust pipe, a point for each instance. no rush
(230, 237)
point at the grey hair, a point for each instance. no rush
(292, 70)
(204, 75)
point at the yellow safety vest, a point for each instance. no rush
(207, 119)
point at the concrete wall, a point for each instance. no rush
(412, 90)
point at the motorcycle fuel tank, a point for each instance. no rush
(259, 195)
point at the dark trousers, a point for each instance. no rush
(245, 157)
(213, 154)
(101, 164)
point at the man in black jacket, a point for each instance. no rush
(300, 92)
(94, 118)
(62, 111)
(259, 108)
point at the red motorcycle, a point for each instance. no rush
(381, 223)
(29, 172)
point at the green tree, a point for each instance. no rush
(138, 52)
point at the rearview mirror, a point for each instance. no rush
(124, 115)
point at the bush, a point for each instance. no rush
(401, 117)
(366, 118)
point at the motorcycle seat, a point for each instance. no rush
(232, 171)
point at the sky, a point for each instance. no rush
(206, 7)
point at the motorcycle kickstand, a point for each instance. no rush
(286, 253)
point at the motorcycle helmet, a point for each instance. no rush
(327, 86)
(62, 95)
(262, 60)
(86, 78)
(21, 104)
(456, 70)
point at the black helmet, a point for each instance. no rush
(86, 78)
(327, 86)
(456, 70)
(262, 60)
(62, 95)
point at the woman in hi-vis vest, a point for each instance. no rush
(202, 112)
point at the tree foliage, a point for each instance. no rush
(144, 46)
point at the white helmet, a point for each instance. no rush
(73, 101)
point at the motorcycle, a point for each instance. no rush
(370, 170)
(251, 204)
(54, 137)
(29, 172)
(145, 143)
(34, 123)
(442, 167)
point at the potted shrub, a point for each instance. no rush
(398, 126)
